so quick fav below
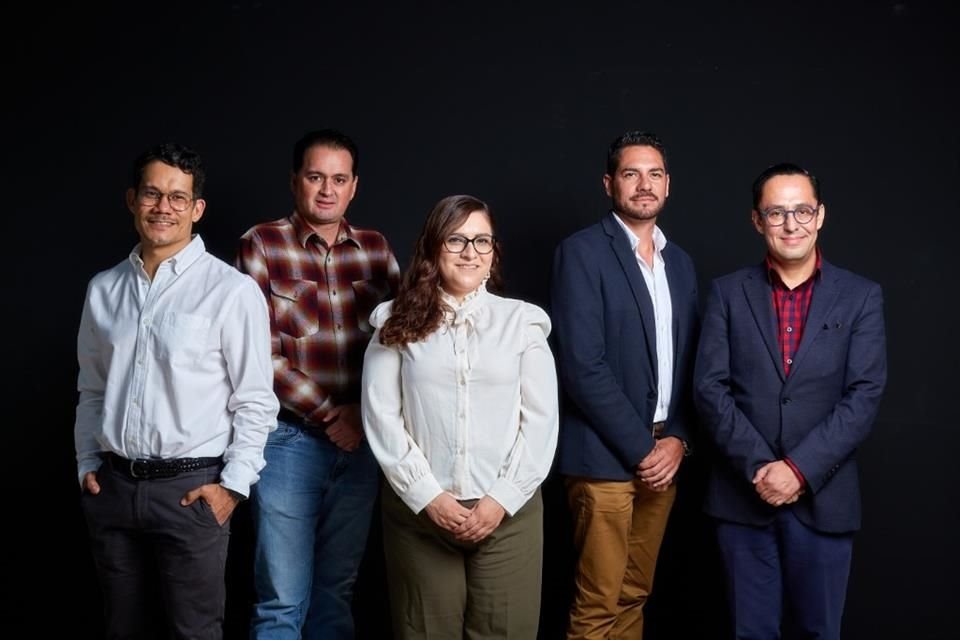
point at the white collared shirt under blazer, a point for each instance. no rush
(472, 409)
(176, 367)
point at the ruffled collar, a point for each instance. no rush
(457, 312)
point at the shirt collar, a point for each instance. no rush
(659, 239)
(304, 231)
(179, 261)
(774, 276)
(456, 311)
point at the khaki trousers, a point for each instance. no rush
(444, 589)
(618, 528)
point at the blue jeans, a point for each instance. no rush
(311, 512)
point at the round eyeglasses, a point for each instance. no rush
(803, 214)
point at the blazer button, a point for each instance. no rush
(786, 401)
(652, 395)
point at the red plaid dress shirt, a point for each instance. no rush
(320, 300)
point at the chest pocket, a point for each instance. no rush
(295, 307)
(181, 338)
(367, 294)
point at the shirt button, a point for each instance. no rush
(789, 360)
(789, 329)
(333, 293)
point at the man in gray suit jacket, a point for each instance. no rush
(790, 370)
(624, 305)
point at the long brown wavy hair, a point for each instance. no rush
(417, 310)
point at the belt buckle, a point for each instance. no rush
(133, 471)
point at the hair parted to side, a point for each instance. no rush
(174, 155)
(417, 310)
(782, 169)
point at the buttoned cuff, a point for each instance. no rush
(421, 493)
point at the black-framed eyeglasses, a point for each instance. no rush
(149, 197)
(482, 244)
(803, 214)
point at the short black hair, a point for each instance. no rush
(175, 155)
(325, 138)
(782, 169)
(633, 139)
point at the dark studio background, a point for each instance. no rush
(515, 104)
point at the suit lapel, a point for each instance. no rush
(825, 294)
(760, 299)
(628, 262)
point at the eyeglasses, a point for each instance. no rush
(778, 215)
(179, 201)
(482, 244)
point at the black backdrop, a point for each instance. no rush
(514, 104)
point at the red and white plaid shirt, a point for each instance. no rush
(320, 300)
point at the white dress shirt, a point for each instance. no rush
(656, 280)
(176, 367)
(472, 409)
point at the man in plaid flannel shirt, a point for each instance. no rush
(312, 507)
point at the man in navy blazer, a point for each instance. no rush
(624, 305)
(790, 370)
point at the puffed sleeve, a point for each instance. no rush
(531, 456)
(402, 461)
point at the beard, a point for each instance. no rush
(640, 209)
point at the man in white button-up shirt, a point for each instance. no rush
(176, 401)
(625, 312)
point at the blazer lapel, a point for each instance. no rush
(628, 262)
(825, 294)
(757, 290)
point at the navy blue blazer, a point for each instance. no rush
(817, 416)
(605, 338)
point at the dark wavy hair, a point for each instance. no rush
(417, 310)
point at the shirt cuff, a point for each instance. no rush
(796, 472)
(421, 493)
(508, 495)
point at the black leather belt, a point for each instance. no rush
(657, 428)
(144, 469)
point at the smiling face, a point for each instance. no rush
(790, 245)
(640, 185)
(461, 273)
(163, 231)
(324, 186)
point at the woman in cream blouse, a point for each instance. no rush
(460, 409)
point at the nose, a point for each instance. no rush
(469, 252)
(790, 221)
(163, 204)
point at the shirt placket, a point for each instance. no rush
(148, 291)
(460, 470)
(335, 300)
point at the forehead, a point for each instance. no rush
(162, 175)
(788, 190)
(476, 222)
(640, 156)
(328, 160)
